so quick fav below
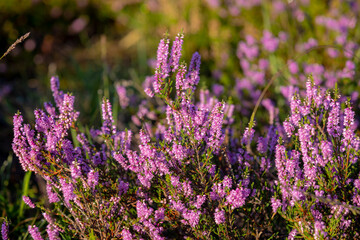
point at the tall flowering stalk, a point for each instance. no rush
(5, 230)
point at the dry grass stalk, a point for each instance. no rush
(12, 47)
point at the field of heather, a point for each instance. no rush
(179, 119)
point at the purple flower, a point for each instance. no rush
(123, 187)
(75, 170)
(58, 95)
(162, 57)
(319, 232)
(217, 192)
(292, 164)
(186, 188)
(177, 205)
(68, 190)
(333, 53)
(176, 52)
(144, 137)
(289, 128)
(48, 218)
(247, 49)
(52, 196)
(159, 214)
(200, 199)
(154, 231)
(162, 67)
(288, 91)
(120, 159)
(192, 217)
(145, 178)
(295, 110)
(237, 197)
(333, 121)
(5, 230)
(147, 152)
(193, 77)
(265, 164)
(175, 181)
(310, 44)
(293, 67)
(53, 232)
(34, 232)
(181, 80)
(263, 64)
(272, 137)
(219, 216)
(143, 213)
(227, 182)
(327, 152)
(218, 89)
(292, 234)
(93, 179)
(97, 159)
(149, 92)
(134, 164)
(275, 204)
(126, 235)
(348, 130)
(67, 114)
(108, 121)
(305, 136)
(262, 145)
(216, 136)
(179, 152)
(212, 170)
(269, 42)
(20, 144)
(43, 123)
(213, 3)
(245, 65)
(50, 109)
(248, 136)
(122, 140)
(349, 120)
(123, 99)
(280, 163)
(28, 202)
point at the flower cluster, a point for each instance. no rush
(102, 177)
(189, 174)
(5, 230)
(315, 172)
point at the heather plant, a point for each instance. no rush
(84, 182)
(187, 173)
(101, 186)
(204, 190)
(317, 170)
(182, 172)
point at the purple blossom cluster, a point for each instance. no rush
(187, 172)
(34, 232)
(28, 202)
(318, 158)
(5, 230)
(100, 174)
